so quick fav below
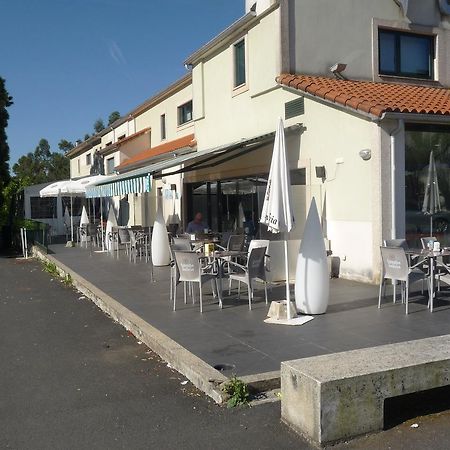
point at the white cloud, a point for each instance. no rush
(116, 53)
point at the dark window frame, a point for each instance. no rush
(163, 127)
(240, 79)
(397, 61)
(88, 159)
(185, 114)
(108, 162)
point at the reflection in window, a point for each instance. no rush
(406, 54)
(420, 141)
(234, 206)
(43, 208)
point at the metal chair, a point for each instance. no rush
(441, 270)
(253, 270)
(191, 270)
(179, 244)
(256, 243)
(125, 239)
(395, 267)
(91, 231)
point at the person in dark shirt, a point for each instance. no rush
(196, 226)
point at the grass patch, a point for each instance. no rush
(237, 392)
(51, 268)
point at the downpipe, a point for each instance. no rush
(393, 136)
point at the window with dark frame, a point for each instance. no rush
(405, 54)
(110, 166)
(43, 208)
(185, 113)
(239, 63)
(88, 159)
(163, 126)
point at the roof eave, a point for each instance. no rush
(154, 159)
(358, 112)
(228, 34)
(417, 118)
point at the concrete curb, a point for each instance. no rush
(198, 372)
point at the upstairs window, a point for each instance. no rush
(110, 166)
(239, 63)
(163, 126)
(405, 54)
(88, 159)
(185, 113)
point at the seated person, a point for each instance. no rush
(196, 226)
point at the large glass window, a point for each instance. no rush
(234, 205)
(406, 54)
(420, 142)
(239, 63)
(43, 208)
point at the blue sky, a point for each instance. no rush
(69, 62)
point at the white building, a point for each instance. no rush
(358, 138)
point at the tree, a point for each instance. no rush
(41, 166)
(87, 136)
(5, 102)
(115, 115)
(65, 145)
(99, 125)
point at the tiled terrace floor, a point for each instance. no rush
(237, 336)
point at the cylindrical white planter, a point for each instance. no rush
(160, 239)
(312, 281)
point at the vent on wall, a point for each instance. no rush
(294, 108)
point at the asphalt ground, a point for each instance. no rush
(71, 378)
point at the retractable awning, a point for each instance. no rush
(139, 180)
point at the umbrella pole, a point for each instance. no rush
(288, 292)
(101, 224)
(71, 218)
(431, 225)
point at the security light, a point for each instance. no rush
(337, 69)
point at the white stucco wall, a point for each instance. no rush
(223, 114)
(152, 118)
(333, 139)
(323, 34)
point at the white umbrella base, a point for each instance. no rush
(301, 320)
(70, 244)
(278, 310)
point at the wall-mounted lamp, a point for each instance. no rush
(365, 154)
(321, 172)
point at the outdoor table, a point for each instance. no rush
(430, 256)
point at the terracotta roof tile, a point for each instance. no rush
(373, 98)
(167, 147)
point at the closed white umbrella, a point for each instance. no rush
(84, 217)
(431, 201)
(112, 222)
(277, 211)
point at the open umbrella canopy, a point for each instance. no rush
(431, 201)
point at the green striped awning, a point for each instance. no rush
(132, 185)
